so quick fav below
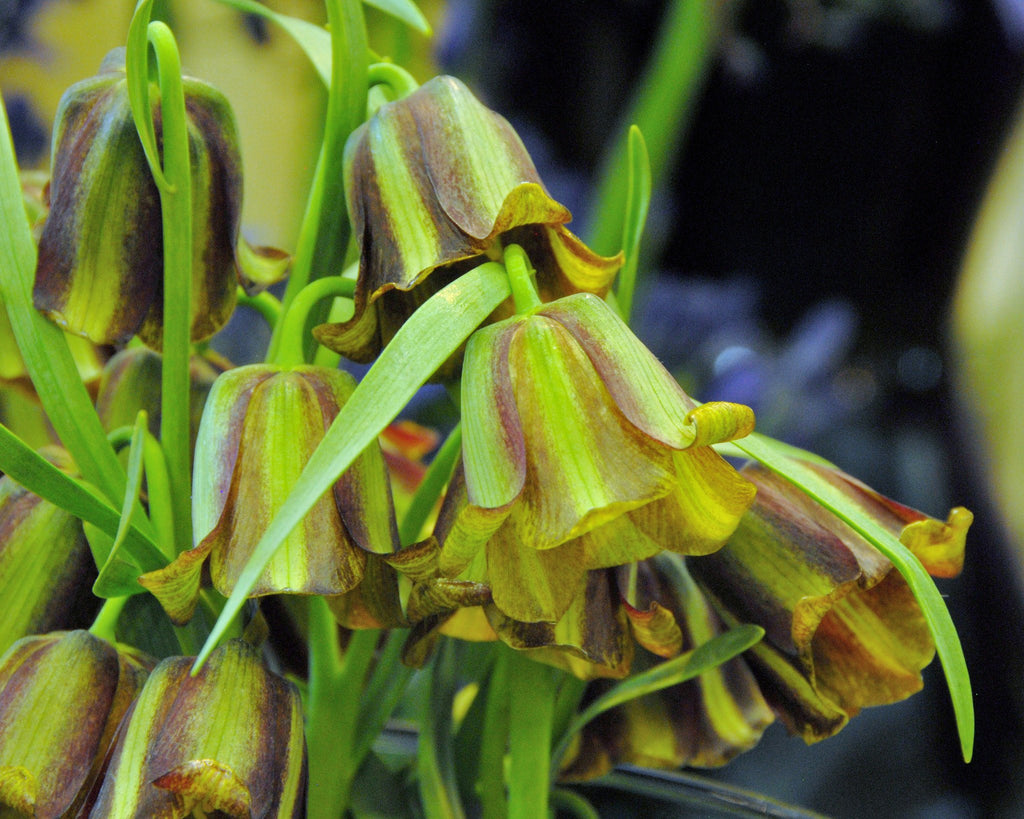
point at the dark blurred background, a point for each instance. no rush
(802, 253)
(810, 232)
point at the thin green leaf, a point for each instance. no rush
(404, 11)
(435, 764)
(684, 667)
(531, 701)
(137, 68)
(313, 39)
(38, 475)
(701, 795)
(418, 349)
(326, 228)
(661, 107)
(947, 643)
(120, 570)
(425, 498)
(638, 201)
(43, 346)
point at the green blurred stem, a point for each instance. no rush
(435, 761)
(325, 230)
(336, 681)
(571, 802)
(438, 474)
(531, 692)
(520, 279)
(176, 211)
(292, 350)
(490, 783)
(105, 624)
(263, 303)
(161, 506)
(400, 81)
(661, 109)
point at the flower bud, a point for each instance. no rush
(260, 425)
(46, 568)
(62, 697)
(843, 630)
(132, 381)
(100, 267)
(436, 183)
(228, 739)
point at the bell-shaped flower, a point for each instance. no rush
(100, 267)
(703, 722)
(436, 183)
(580, 451)
(62, 698)
(843, 630)
(260, 425)
(46, 568)
(228, 739)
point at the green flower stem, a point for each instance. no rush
(438, 474)
(105, 624)
(263, 303)
(435, 762)
(661, 109)
(490, 780)
(176, 213)
(531, 694)
(292, 350)
(325, 231)
(336, 680)
(381, 695)
(400, 81)
(520, 279)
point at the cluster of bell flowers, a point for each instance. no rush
(583, 461)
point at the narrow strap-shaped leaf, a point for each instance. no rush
(119, 572)
(137, 70)
(42, 345)
(947, 643)
(38, 475)
(435, 764)
(313, 39)
(405, 11)
(326, 227)
(699, 794)
(638, 201)
(662, 104)
(684, 667)
(418, 349)
(531, 695)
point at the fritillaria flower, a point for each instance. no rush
(260, 425)
(436, 183)
(580, 452)
(100, 266)
(703, 722)
(46, 568)
(843, 630)
(228, 739)
(62, 697)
